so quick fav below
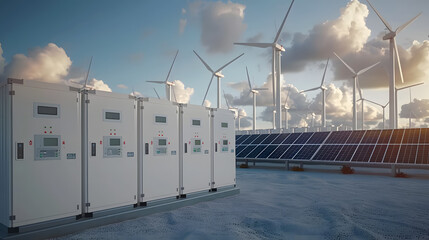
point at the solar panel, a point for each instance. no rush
(355, 137)
(346, 153)
(270, 138)
(407, 154)
(327, 152)
(338, 137)
(371, 137)
(318, 138)
(385, 136)
(259, 139)
(378, 154)
(397, 136)
(241, 140)
(303, 138)
(291, 152)
(245, 151)
(291, 138)
(391, 154)
(279, 151)
(250, 139)
(306, 152)
(238, 137)
(422, 154)
(239, 149)
(280, 138)
(363, 153)
(411, 136)
(256, 151)
(424, 136)
(267, 151)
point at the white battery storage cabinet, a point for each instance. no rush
(158, 142)
(223, 145)
(109, 134)
(40, 152)
(195, 159)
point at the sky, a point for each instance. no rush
(133, 42)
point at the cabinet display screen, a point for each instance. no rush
(115, 142)
(113, 116)
(44, 110)
(197, 142)
(162, 142)
(225, 142)
(224, 125)
(50, 142)
(160, 119)
(196, 122)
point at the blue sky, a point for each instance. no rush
(135, 41)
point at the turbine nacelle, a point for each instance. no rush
(219, 75)
(278, 47)
(390, 35)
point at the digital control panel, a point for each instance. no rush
(112, 146)
(196, 145)
(160, 146)
(47, 147)
(225, 145)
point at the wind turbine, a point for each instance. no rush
(323, 88)
(168, 85)
(362, 105)
(382, 106)
(355, 79)
(233, 109)
(402, 88)
(276, 64)
(156, 93)
(219, 75)
(286, 109)
(254, 91)
(394, 57)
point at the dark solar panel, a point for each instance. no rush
(318, 138)
(280, 138)
(291, 152)
(370, 137)
(241, 140)
(391, 154)
(256, 151)
(239, 149)
(250, 139)
(355, 137)
(378, 154)
(422, 154)
(363, 153)
(411, 136)
(385, 136)
(245, 151)
(424, 136)
(259, 139)
(346, 153)
(338, 137)
(291, 138)
(407, 154)
(279, 151)
(397, 136)
(238, 137)
(306, 152)
(303, 138)
(267, 151)
(327, 152)
(270, 138)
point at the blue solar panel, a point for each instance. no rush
(371, 137)
(256, 151)
(290, 153)
(407, 154)
(270, 138)
(303, 138)
(422, 154)
(378, 154)
(279, 151)
(259, 139)
(241, 140)
(318, 138)
(411, 136)
(267, 151)
(238, 137)
(291, 138)
(397, 136)
(239, 149)
(245, 151)
(346, 153)
(363, 153)
(280, 138)
(391, 154)
(355, 137)
(385, 137)
(338, 137)
(327, 152)
(424, 136)
(306, 152)
(250, 139)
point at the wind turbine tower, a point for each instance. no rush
(254, 91)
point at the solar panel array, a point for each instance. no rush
(399, 146)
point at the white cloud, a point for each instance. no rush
(183, 95)
(99, 85)
(182, 25)
(2, 60)
(136, 94)
(221, 24)
(122, 86)
(417, 109)
(207, 103)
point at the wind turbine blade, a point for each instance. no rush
(226, 100)
(358, 86)
(345, 64)
(210, 83)
(168, 75)
(259, 45)
(287, 96)
(174, 92)
(229, 63)
(400, 28)
(381, 18)
(368, 68)
(309, 90)
(87, 73)
(378, 104)
(248, 79)
(205, 64)
(409, 86)
(156, 93)
(398, 60)
(283, 23)
(324, 73)
(261, 89)
(158, 82)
